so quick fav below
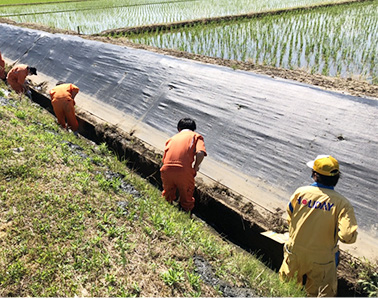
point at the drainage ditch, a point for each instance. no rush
(234, 224)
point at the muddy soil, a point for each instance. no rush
(206, 271)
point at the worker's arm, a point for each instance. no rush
(290, 207)
(347, 225)
(22, 80)
(74, 92)
(200, 155)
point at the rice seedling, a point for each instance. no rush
(96, 16)
(333, 41)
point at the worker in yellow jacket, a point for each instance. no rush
(318, 217)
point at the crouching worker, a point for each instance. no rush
(3, 75)
(62, 99)
(17, 78)
(318, 217)
(183, 155)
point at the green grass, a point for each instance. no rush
(368, 279)
(67, 228)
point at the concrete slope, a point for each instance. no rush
(259, 131)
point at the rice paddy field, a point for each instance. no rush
(336, 41)
(333, 41)
(94, 16)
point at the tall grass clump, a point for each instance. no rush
(334, 41)
(75, 221)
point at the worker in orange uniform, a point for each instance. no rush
(62, 99)
(3, 75)
(16, 78)
(183, 155)
(318, 217)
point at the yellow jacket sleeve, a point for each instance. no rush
(347, 225)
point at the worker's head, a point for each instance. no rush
(325, 170)
(32, 70)
(186, 123)
(59, 83)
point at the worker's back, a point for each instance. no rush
(64, 92)
(181, 148)
(18, 73)
(317, 216)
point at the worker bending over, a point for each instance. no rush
(318, 217)
(62, 99)
(16, 78)
(3, 75)
(178, 171)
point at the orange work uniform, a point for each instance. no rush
(2, 68)
(62, 100)
(16, 77)
(177, 171)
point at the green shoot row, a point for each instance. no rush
(333, 41)
(97, 16)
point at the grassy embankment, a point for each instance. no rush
(74, 220)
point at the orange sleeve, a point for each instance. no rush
(2, 68)
(166, 149)
(2, 63)
(200, 144)
(52, 94)
(74, 90)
